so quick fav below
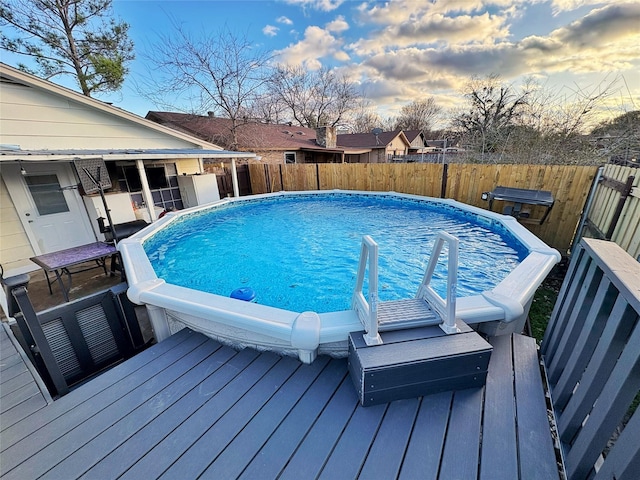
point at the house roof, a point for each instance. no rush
(369, 140)
(12, 75)
(252, 135)
(412, 134)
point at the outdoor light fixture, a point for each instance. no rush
(23, 172)
(485, 196)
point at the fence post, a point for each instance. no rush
(445, 173)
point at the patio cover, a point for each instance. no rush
(9, 154)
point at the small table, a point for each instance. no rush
(520, 196)
(59, 262)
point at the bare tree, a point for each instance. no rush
(534, 124)
(491, 112)
(69, 37)
(363, 118)
(418, 115)
(222, 73)
(554, 123)
(619, 138)
(313, 98)
(268, 109)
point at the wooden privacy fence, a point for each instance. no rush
(462, 182)
(591, 351)
(614, 212)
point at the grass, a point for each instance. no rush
(541, 308)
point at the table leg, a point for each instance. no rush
(102, 262)
(46, 275)
(65, 291)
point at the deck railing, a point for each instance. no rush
(591, 351)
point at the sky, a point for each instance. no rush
(399, 51)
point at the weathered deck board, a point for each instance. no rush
(22, 393)
(191, 408)
(499, 433)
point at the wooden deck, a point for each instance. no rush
(22, 392)
(189, 407)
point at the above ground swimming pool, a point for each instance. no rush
(299, 253)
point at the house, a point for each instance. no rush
(45, 132)
(274, 143)
(374, 147)
(416, 140)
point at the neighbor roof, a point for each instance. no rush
(369, 140)
(252, 135)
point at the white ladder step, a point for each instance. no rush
(409, 313)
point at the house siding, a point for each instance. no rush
(34, 119)
(15, 249)
(397, 147)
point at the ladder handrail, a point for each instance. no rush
(368, 311)
(445, 308)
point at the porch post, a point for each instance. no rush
(146, 191)
(234, 178)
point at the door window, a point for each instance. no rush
(47, 194)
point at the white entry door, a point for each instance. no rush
(49, 205)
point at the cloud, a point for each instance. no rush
(270, 30)
(426, 28)
(284, 20)
(569, 5)
(341, 56)
(603, 40)
(316, 44)
(338, 25)
(432, 47)
(322, 5)
(602, 25)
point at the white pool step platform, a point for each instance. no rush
(407, 313)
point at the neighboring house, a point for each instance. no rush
(274, 143)
(45, 129)
(417, 141)
(373, 147)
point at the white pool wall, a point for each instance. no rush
(502, 310)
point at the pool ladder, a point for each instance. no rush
(427, 308)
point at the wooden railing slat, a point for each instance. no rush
(582, 305)
(583, 348)
(623, 460)
(616, 397)
(565, 301)
(602, 362)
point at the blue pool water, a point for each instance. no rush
(301, 252)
